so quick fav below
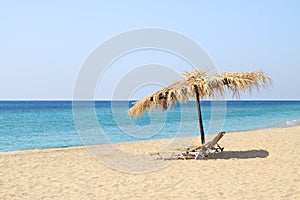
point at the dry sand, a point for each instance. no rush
(262, 164)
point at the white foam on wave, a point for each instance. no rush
(288, 123)
(293, 122)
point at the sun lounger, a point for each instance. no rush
(175, 152)
(206, 149)
(195, 151)
(210, 147)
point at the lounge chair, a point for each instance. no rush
(210, 147)
(201, 150)
(174, 152)
(178, 152)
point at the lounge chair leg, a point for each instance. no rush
(200, 153)
(182, 156)
(219, 148)
(196, 157)
(172, 155)
(160, 156)
(150, 155)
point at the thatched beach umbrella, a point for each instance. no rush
(200, 85)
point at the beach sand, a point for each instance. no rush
(261, 164)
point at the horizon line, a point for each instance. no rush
(141, 99)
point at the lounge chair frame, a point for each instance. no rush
(201, 151)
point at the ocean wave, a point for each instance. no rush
(292, 122)
(288, 123)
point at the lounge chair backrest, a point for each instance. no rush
(215, 140)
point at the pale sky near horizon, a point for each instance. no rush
(43, 44)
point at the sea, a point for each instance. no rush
(58, 124)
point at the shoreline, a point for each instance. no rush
(129, 142)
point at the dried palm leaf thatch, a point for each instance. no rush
(239, 82)
(208, 86)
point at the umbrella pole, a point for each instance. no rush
(200, 116)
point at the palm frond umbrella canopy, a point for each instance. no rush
(200, 85)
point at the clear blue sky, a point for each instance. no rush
(44, 43)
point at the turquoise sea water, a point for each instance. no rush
(51, 124)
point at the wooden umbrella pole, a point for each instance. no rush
(199, 116)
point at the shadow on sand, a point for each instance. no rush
(240, 154)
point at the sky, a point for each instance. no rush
(44, 44)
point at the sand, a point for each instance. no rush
(262, 164)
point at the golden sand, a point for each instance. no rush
(262, 164)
